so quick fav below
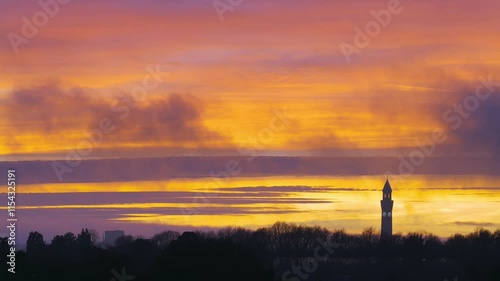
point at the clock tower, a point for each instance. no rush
(386, 203)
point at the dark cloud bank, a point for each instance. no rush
(50, 110)
(107, 170)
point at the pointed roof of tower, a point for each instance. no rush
(387, 187)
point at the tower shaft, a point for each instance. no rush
(386, 205)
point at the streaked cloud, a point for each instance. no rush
(237, 75)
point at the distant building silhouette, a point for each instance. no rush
(386, 204)
(111, 236)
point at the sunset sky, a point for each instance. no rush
(95, 99)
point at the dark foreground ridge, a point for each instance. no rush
(280, 252)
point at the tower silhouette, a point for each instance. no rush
(386, 204)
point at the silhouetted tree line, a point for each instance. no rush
(279, 252)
